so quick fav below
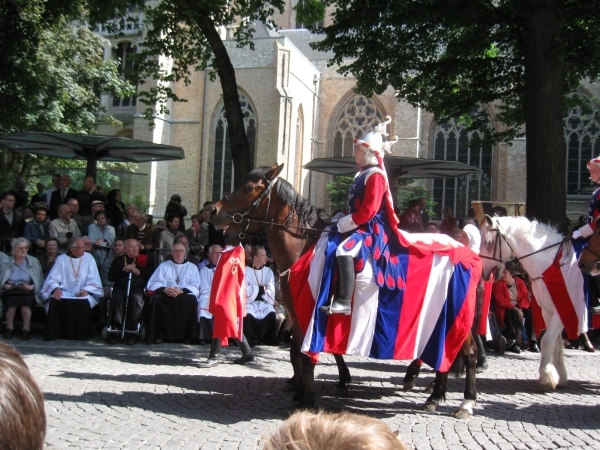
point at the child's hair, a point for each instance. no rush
(333, 431)
(22, 415)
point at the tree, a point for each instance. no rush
(451, 56)
(61, 74)
(187, 32)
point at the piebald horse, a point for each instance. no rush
(549, 259)
(269, 204)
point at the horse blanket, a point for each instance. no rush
(426, 312)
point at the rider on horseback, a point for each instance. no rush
(369, 204)
(594, 206)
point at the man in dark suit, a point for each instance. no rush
(62, 195)
(12, 224)
(87, 195)
(424, 215)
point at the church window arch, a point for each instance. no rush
(223, 163)
(123, 54)
(453, 142)
(582, 140)
(358, 116)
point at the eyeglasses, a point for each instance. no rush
(78, 248)
(177, 251)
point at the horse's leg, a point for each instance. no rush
(295, 383)
(468, 353)
(549, 376)
(438, 394)
(559, 363)
(412, 373)
(308, 378)
(341, 388)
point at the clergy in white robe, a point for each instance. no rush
(176, 287)
(70, 291)
(260, 320)
(207, 273)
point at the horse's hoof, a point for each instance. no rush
(429, 388)
(430, 406)
(408, 385)
(461, 414)
(340, 392)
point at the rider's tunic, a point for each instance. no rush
(373, 239)
(594, 209)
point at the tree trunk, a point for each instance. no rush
(544, 74)
(240, 149)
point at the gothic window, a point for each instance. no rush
(223, 167)
(359, 116)
(454, 143)
(582, 138)
(123, 54)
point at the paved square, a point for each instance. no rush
(156, 397)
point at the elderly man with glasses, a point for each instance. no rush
(64, 228)
(70, 291)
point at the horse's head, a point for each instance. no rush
(241, 211)
(495, 249)
(589, 259)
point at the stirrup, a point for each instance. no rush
(338, 307)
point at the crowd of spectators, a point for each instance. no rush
(81, 256)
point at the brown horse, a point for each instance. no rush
(590, 255)
(269, 204)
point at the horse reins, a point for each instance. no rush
(239, 216)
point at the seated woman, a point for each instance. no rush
(21, 280)
(103, 235)
(48, 257)
(37, 231)
(411, 216)
(512, 302)
(168, 235)
(449, 222)
(176, 287)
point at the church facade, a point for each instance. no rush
(297, 108)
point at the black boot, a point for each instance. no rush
(247, 355)
(342, 304)
(214, 357)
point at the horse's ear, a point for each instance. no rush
(274, 171)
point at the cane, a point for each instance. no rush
(126, 305)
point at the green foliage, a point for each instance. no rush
(451, 56)
(309, 12)
(337, 191)
(142, 204)
(53, 84)
(408, 191)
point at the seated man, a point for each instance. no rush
(119, 272)
(176, 287)
(145, 234)
(71, 290)
(260, 320)
(512, 301)
(64, 227)
(206, 277)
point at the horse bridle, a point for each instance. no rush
(498, 244)
(239, 215)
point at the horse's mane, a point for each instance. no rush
(533, 229)
(307, 214)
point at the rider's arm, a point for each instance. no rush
(374, 195)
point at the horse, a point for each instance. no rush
(550, 261)
(267, 203)
(590, 254)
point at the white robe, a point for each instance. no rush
(168, 272)
(254, 279)
(206, 278)
(62, 275)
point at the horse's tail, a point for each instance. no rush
(458, 368)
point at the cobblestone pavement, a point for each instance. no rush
(156, 397)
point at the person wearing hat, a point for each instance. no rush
(87, 195)
(370, 208)
(97, 205)
(175, 208)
